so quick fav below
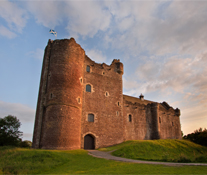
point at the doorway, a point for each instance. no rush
(89, 142)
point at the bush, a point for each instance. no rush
(26, 144)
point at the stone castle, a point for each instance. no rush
(81, 104)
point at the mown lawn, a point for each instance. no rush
(161, 150)
(29, 161)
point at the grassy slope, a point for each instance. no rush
(29, 161)
(161, 150)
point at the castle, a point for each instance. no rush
(81, 104)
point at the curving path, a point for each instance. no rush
(107, 155)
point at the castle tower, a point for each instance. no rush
(59, 106)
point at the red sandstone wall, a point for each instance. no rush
(63, 104)
(138, 128)
(41, 97)
(107, 127)
(61, 127)
(169, 124)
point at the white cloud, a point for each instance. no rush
(46, 13)
(6, 32)
(15, 16)
(22, 112)
(86, 18)
(96, 55)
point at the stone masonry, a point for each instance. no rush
(81, 104)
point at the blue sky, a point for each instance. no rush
(162, 44)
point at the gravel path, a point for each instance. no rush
(107, 155)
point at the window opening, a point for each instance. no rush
(103, 73)
(90, 118)
(159, 120)
(106, 94)
(172, 124)
(88, 88)
(51, 95)
(130, 117)
(117, 113)
(88, 68)
(118, 103)
(81, 80)
(78, 100)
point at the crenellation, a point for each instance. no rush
(81, 104)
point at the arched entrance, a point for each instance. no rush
(89, 142)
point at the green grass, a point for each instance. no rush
(161, 150)
(29, 161)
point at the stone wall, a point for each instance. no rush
(64, 104)
(104, 101)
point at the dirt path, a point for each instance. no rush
(107, 155)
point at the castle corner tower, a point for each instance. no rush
(59, 106)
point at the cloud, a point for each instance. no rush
(86, 18)
(15, 16)
(96, 55)
(37, 54)
(22, 112)
(46, 13)
(6, 32)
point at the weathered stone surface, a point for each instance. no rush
(64, 104)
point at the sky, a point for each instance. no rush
(162, 44)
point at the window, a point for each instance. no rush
(81, 80)
(117, 113)
(159, 120)
(118, 103)
(172, 124)
(79, 100)
(90, 118)
(106, 94)
(87, 68)
(88, 88)
(130, 117)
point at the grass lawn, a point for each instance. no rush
(29, 161)
(161, 150)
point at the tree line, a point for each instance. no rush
(199, 136)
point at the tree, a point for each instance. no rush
(9, 131)
(199, 136)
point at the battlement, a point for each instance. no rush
(81, 104)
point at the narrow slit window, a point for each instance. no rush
(87, 68)
(130, 118)
(90, 118)
(88, 88)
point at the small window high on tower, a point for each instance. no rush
(87, 68)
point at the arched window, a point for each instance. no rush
(130, 117)
(87, 68)
(90, 118)
(88, 88)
